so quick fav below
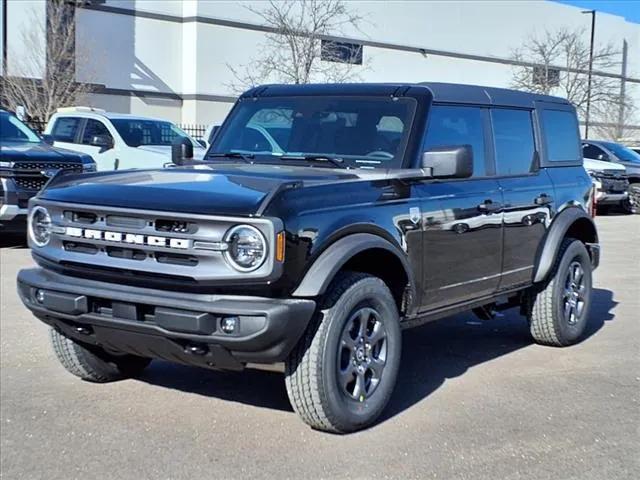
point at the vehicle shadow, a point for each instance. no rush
(13, 240)
(432, 354)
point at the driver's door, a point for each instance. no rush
(105, 158)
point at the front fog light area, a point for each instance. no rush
(40, 226)
(247, 248)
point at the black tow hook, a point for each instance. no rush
(196, 350)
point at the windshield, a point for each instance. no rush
(13, 130)
(136, 133)
(623, 153)
(367, 132)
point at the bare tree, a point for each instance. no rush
(43, 78)
(617, 120)
(297, 49)
(557, 62)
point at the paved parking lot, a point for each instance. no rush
(474, 400)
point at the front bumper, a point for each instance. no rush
(175, 326)
(13, 202)
(603, 198)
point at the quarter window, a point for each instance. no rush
(449, 126)
(513, 139)
(561, 136)
(65, 129)
(93, 128)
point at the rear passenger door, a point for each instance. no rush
(462, 218)
(527, 191)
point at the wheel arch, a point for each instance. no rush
(366, 253)
(572, 222)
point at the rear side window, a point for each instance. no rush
(93, 128)
(449, 126)
(561, 136)
(513, 139)
(65, 129)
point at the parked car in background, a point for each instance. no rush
(117, 141)
(210, 132)
(26, 163)
(614, 152)
(610, 183)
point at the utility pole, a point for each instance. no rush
(593, 31)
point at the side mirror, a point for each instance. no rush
(48, 139)
(181, 151)
(449, 161)
(213, 132)
(103, 141)
(202, 143)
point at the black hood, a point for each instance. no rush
(231, 189)
(39, 152)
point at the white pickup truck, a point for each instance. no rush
(117, 141)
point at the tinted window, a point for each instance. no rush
(450, 126)
(365, 132)
(513, 138)
(561, 136)
(65, 129)
(591, 151)
(93, 128)
(136, 133)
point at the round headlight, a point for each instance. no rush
(40, 226)
(247, 248)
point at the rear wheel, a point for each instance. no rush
(343, 371)
(560, 308)
(93, 363)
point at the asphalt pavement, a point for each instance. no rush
(475, 400)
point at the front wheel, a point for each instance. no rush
(560, 309)
(342, 373)
(632, 203)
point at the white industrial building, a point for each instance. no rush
(170, 58)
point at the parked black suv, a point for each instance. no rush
(26, 163)
(324, 220)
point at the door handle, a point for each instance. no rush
(543, 199)
(489, 206)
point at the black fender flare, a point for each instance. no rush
(325, 267)
(557, 231)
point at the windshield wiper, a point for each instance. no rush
(247, 157)
(335, 161)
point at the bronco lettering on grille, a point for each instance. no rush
(130, 238)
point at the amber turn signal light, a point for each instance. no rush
(280, 247)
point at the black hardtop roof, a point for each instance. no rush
(441, 92)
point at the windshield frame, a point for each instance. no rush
(348, 161)
(617, 149)
(119, 123)
(32, 137)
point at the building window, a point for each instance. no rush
(546, 76)
(341, 52)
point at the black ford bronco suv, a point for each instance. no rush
(323, 220)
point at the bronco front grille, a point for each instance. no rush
(149, 243)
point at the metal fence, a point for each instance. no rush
(194, 130)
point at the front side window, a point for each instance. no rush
(94, 128)
(65, 129)
(365, 132)
(13, 130)
(137, 133)
(450, 126)
(513, 140)
(593, 152)
(561, 135)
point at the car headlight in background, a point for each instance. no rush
(247, 248)
(40, 226)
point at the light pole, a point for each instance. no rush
(593, 31)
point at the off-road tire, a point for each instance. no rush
(92, 363)
(632, 205)
(547, 321)
(312, 368)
